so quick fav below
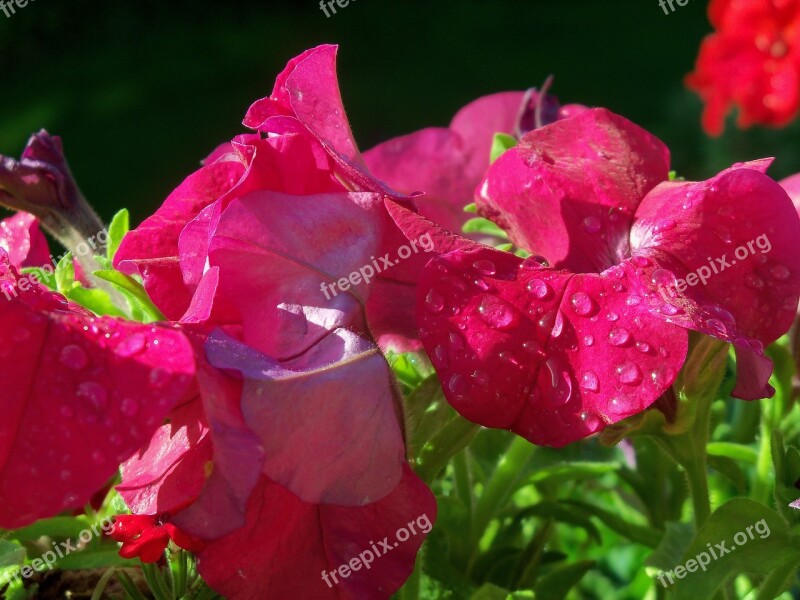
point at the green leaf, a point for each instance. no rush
(410, 368)
(434, 431)
(12, 557)
(573, 471)
(45, 276)
(500, 144)
(765, 547)
(140, 303)
(557, 584)
(56, 527)
(673, 545)
(65, 274)
(642, 534)
(489, 591)
(563, 513)
(730, 470)
(120, 225)
(95, 558)
(485, 226)
(471, 208)
(96, 300)
(736, 452)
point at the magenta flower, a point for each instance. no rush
(23, 241)
(80, 395)
(448, 163)
(637, 262)
(280, 454)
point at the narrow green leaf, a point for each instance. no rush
(485, 226)
(500, 144)
(120, 225)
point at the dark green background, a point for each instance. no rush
(141, 91)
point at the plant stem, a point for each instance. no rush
(499, 488)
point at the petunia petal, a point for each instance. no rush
(568, 191)
(713, 260)
(323, 439)
(287, 544)
(550, 355)
(24, 242)
(86, 393)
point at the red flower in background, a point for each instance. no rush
(751, 61)
(147, 536)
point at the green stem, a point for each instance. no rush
(410, 591)
(697, 476)
(776, 581)
(763, 480)
(499, 488)
(102, 584)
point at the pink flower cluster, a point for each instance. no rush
(260, 425)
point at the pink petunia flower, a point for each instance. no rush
(278, 441)
(446, 164)
(80, 395)
(638, 261)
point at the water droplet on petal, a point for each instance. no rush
(670, 310)
(498, 314)
(440, 356)
(592, 224)
(588, 340)
(158, 378)
(534, 262)
(664, 225)
(779, 272)
(558, 325)
(485, 267)
(561, 383)
(753, 281)
(94, 393)
(457, 384)
(129, 407)
(481, 284)
(633, 300)
(456, 341)
(590, 382)
(73, 357)
(612, 316)
(481, 378)
(434, 302)
(539, 289)
(716, 328)
(629, 373)
(643, 347)
(582, 304)
(663, 278)
(618, 336)
(663, 352)
(641, 261)
(131, 345)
